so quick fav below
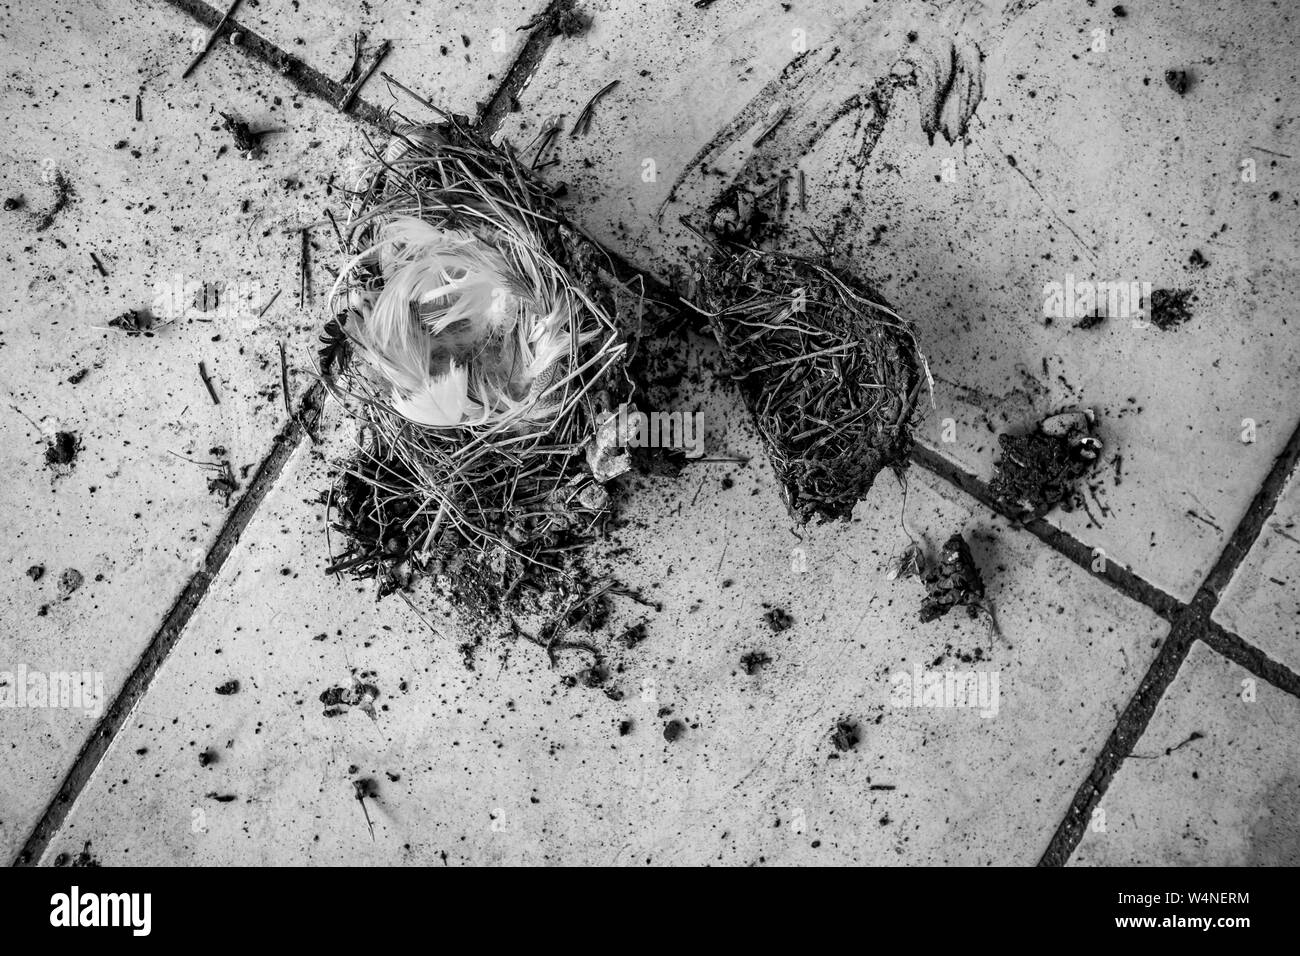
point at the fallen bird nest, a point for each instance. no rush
(479, 348)
(830, 373)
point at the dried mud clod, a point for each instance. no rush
(830, 374)
(845, 735)
(61, 450)
(1039, 471)
(955, 581)
(1170, 308)
(247, 143)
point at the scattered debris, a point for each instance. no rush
(845, 734)
(361, 695)
(61, 450)
(778, 619)
(583, 123)
(136, 322)
(363, 788)
(223, 482)
(247, 143)
(83, 859)
(63, 193)
(207, 382)
(1170, 307)
(954, 582)
(1038, 471)
(1180, 81)
(70, 582)
(562, 18)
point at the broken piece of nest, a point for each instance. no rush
(830, 374)
(1040, 470)
(480, 348)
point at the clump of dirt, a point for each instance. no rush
(955, 581)
(1180, 81)
(1039, 471)
(1170, 308)
(362, 695)
(135, 322)
(36, 572)
(754, 661)
(673, 730)
(61, 450)
(228, 688)
(778, 619)
(70, 582)
(63, 194)
(208, 757)
(83, 859)
(14, 203)
(246, 141)
(845, 735)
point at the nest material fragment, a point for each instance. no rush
(955, 581)
(497, 483)
(829, 372)
(1039, 470)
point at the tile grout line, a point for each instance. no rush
(1189, 622)
(1190, 625)
(137, 683)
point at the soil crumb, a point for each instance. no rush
(70, 582)
(1180, 81)
(778, 620)
(754, 661)
(845, 735)
(1170, 308)
(61, 451)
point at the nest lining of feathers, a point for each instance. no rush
(475, 345)
(830, 373)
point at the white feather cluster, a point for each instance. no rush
(462, 332)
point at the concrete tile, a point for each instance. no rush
(1115, 178)
(158, 201)
(507, 763)
(1213, 781)
(452, 53)
(1262, 604)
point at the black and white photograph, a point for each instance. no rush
(651, 433)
